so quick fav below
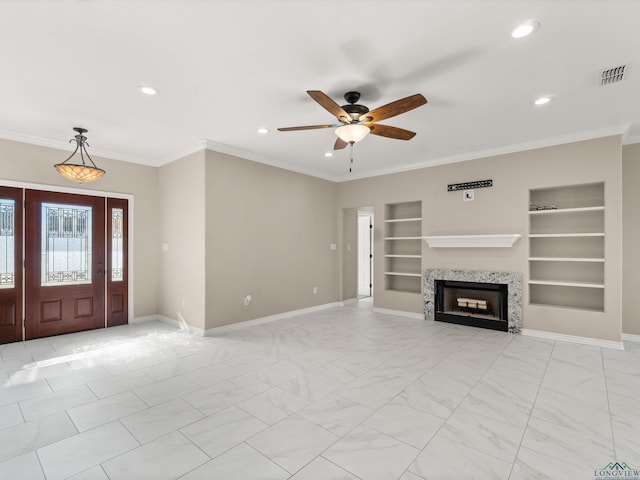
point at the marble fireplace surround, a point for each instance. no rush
(512, 279)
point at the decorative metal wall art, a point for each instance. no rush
(454, 187)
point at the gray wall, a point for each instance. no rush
(349, 247)
(502, 209)
(268, 235)
(631, 239)
(182, 229)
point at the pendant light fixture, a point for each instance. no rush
(80, 172)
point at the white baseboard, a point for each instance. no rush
(268, 319)
(596, 342)
(182, 325)
(348, 301)
(399, 313)
(146, 318)
(630, 337)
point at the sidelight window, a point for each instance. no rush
(117, 248)
(7, 243)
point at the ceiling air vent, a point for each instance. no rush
(612, 75)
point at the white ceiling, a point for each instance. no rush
(225, 68)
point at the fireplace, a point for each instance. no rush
(513, 280)
(475, 304)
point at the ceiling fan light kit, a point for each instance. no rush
(353, 132)
(357, 121)
(79, 172)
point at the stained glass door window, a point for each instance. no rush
(7, 243)
(117, 248)
(66, 244)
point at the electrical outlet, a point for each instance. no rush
(315, 290)
(247, 300)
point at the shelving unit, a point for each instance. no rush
(566, 247)
(403, 247)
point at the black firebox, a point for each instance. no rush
(483, 305)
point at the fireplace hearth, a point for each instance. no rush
(475, 304)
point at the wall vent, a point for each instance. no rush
(612, 75)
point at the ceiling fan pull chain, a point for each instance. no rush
(350, 155)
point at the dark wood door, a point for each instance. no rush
(10, 264)
(117, 262)
(65, 263)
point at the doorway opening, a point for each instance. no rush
(365, 252)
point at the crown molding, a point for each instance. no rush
(205, 144)
(503, 150)
(62, 145)
(629, 136)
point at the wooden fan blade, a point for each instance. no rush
(340, 144)
(394, 108)
(308, 127)
(329, 105)
(391, 132)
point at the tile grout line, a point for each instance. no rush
(463, 399)
(533, 406)
(606, 390)
(452, 412)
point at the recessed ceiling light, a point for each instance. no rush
(148, 90)
(542, 100)
(328, 154)
(263, 131)
(525, 28)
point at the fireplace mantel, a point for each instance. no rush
(473, 241)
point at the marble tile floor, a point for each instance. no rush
(340, 394)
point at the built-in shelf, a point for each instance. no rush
(403, 238)
(404, 274)
(399, 220)
(563, 235)
(567, 210)
(566, 247)
(403, 247)
(472, 241)
(566, 259)
(566, 284)
(580, 307)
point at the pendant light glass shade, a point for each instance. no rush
(79, 172)
(353, 132)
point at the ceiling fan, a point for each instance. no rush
(357, 121)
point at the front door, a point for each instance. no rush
(64, 263)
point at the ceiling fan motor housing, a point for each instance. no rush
(354, 110)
